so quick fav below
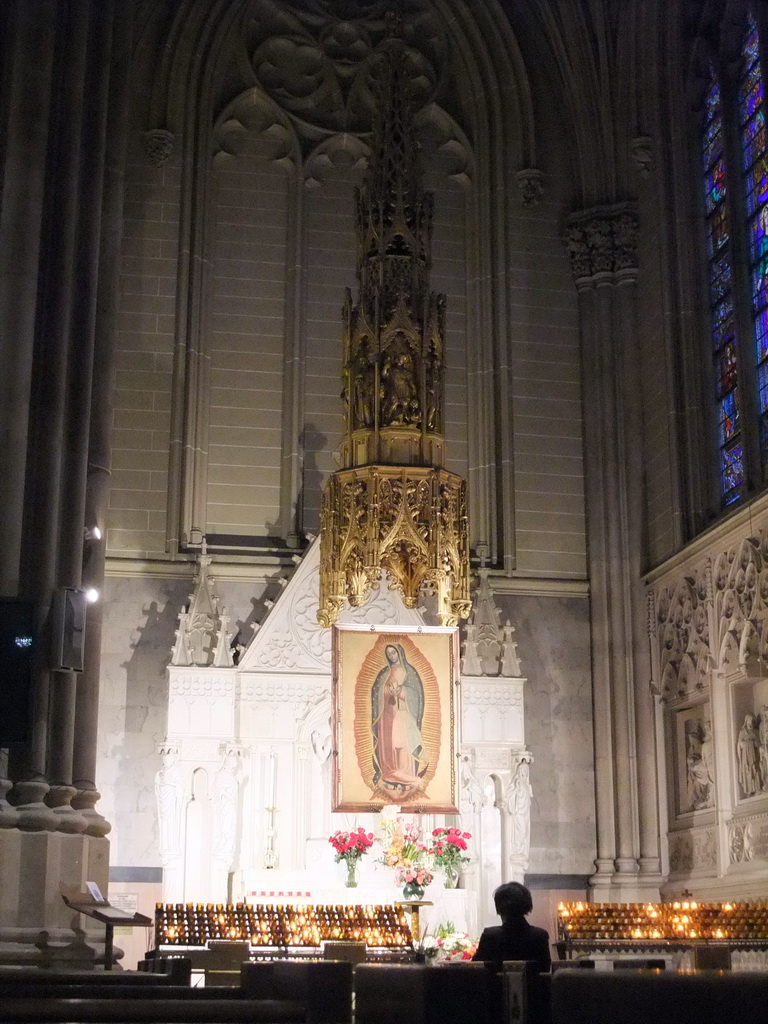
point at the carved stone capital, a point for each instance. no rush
(158, 145)
(641, 151)
(602, 244)
(530, 184)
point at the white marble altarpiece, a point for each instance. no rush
(708, 626)
(244, 794)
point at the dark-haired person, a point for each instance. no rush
(514, 938)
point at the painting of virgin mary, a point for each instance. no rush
(397, 711)
(394, 708)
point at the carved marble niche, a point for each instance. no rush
(709, 632)
(244, 793)
(496, 787)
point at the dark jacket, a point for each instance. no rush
(515, 940)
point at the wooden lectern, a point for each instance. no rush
(100, 910)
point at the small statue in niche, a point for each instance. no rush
(518, 801)
(434, 393)
(363, 385)
(700, 767)
(400, 404)
(169, 793)
(763, 737)
(748, 754)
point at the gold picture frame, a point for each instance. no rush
(396, 718)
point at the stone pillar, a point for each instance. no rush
(602, 243)
(67, 66)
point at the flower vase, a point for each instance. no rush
(352, 865)
(413, 891)
(451, 876)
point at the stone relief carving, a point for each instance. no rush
(699, 765)
(708, 629)
(472, 790)
(493, 694)
(493, 759)
(340, 150)
(158, 145)
(170, 796)
(641, 151)
(602, 241)
(517, 799)
(748, 757)
(739, 842)
(740, 603)
(203, 636)
(317, 65)
(225, 793)
(690, 851)
(254, 124)
(682, 636)
(530, 184)
(282, 691)
(489, 648)
(192, 685)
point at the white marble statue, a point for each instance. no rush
(700, 766)
(763, 737)
(169, 791)
(748, 754)
(225, 791)
(518, 807)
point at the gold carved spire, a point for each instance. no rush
(392, 506)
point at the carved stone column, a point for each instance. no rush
(66, 68)
(602, 244)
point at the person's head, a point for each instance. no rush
(392, 653)
(512, 900)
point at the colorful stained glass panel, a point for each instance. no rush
(729, 418)
(755, 162)
(728, 373)
(733, 472)
(761, 335)
(762, 387)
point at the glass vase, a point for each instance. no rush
(451, 876)
(352, 865)
(413, 891)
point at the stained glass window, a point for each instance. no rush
(734, 154)
(755, 168)
(720, 297)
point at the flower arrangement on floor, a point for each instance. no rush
(447, 945)
(350, 847)
(406, 851)
(449, 846)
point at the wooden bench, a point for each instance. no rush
(646, 997)
(279, 992)
(415, 994)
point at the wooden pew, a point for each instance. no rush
(147, 1009)
(280, 992)
(650, 997)
(416, 994)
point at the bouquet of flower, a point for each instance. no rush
(449, 846)
(447, 945)
(403, 842)
(414, 880)
(406, 851)
(350, 846)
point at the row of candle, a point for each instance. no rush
(270, 925)
(682, 919)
